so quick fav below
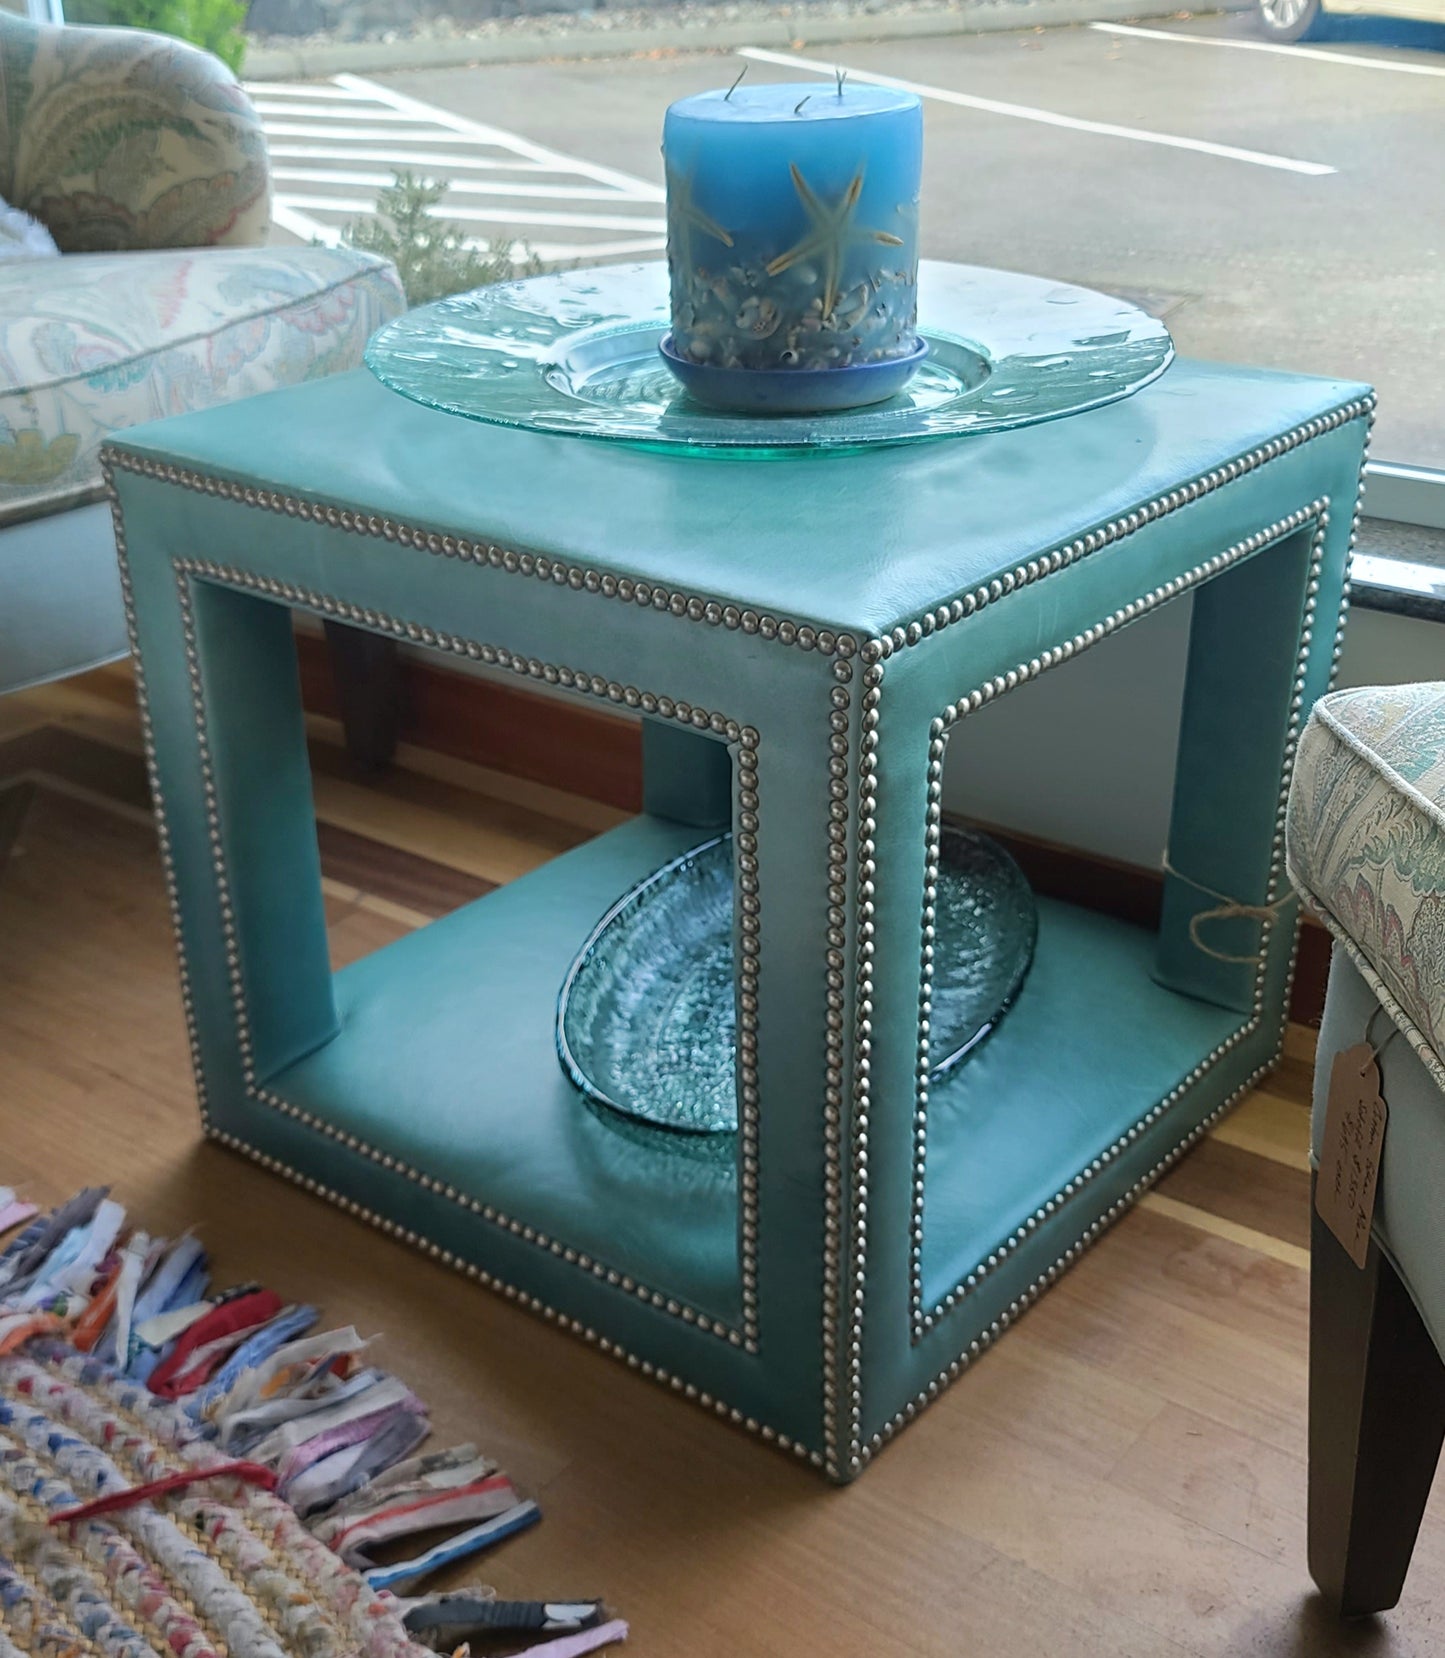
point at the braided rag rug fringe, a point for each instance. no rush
(187, 1473)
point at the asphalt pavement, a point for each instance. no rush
(1281, 206)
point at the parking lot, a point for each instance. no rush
(1278, 205)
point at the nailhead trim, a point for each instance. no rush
(1024, 575)
(834, 1059)
(163, 836)
(746, 740)
(1070, 1257)
(532, 1303)
(540, 566)
(842, 647)
(924, 1320)
(877, 650)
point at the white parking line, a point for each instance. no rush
(1045, 117)
(352, 205)
(259, 90)
(459, 186)
(1349, 59)
(335, 112)
(365, 131)
(416, 158)
(638, 188)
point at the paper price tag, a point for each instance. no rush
(1350, 1155)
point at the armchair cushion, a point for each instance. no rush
(105, 341)
(1367, 845)
(118, 139)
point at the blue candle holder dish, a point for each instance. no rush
(775, 391)
(576, 354)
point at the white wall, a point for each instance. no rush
(1085, 755)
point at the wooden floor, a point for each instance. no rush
(1123, 1475)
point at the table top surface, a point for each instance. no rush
(858, 540)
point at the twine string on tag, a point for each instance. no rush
(1376, 1051)
(1226, 909)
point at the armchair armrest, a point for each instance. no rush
(117, 140)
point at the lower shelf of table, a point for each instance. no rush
(446, 1062)
(446, 1059)
(1091, 1045)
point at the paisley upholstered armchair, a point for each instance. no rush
(147, 164)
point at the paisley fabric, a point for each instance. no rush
(1367, 845)
(110, 340)
(116, 139)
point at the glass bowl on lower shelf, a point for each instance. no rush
(646, 1022)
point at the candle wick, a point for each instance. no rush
(842, 75)
(736, 84)
(798, 107)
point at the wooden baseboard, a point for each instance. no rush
(599, 756)
(542, 739)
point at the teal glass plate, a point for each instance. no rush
(577, 354)
(646, 1021)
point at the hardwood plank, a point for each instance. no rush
(79, 758)
(1260, 1193)
(15, 802)
(1236, 1486)
(1268, 1126)
(490, 843)
(1220, 1226)
(1122, 1476)
(419, 884)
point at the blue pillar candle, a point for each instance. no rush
(792, 225)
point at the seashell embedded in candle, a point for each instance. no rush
(759, 317)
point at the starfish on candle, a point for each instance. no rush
(830, 235)
(685, 216)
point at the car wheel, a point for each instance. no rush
(1288, 20)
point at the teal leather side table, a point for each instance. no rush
(802, 636)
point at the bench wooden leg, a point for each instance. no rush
(1377, 1418)
(365, 669)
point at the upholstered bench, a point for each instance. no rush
(1367, 852)
(146, 163)
(802, 638)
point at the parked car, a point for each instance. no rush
(1290, 20)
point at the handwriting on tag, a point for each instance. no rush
(1350, 1154)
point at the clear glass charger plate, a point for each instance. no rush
(576, 354)
(646, 1021)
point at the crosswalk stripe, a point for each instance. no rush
(326, 141)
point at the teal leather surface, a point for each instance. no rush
(513, 1129)
(861, 541)
(420, 1085)
(60, 607)
(1412, 1168)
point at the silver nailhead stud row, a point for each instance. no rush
(855, 1288)
(924, 1320)
(531, 1303)
(1016, 1308)
(163, 838)
(833, 1069)
(931, 622)
(747, 740)
(537, 566)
